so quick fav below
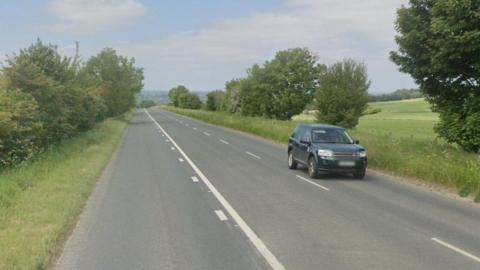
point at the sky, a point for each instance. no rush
(204, 43)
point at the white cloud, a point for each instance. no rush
(333, 29)
(93, 16)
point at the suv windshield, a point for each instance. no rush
(330, 135)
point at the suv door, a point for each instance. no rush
(304, 145)
(294, 141)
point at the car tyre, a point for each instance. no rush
(312, 168)
(292, 164)
(359, 175)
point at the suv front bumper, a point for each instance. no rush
(337, 164)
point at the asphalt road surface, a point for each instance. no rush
(182, 194)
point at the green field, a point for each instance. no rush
(400, 140)
(40, 200)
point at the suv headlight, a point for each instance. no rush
(325, 153)
(362, 153)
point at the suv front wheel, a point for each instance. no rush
(359, 175)
(312, 167)
(292, 164)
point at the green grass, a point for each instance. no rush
(40, 200)
(400, 140)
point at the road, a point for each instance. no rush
(182, 194)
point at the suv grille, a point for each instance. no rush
(344, 154)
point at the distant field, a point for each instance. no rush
(406, 118)
(400, 140)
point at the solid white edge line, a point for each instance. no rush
(221, 215)
(253, 155)
(252, 236)
(224, 142)
(313, 183)
(458, 250)
(206, 133)
(194, 179)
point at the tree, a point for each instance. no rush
(119, 77)
(232, 96)
(282, 87)
(215, 101)
(439, 47)
(189, 101)
(174, 94)
(147, 103)
(47, 77)
(19, 124)
(342, 96)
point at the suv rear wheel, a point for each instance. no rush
(312, 167)
(292, 164)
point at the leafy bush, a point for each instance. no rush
(370, 111)
(147, 103)
(189, 101)
(118, 77)
(215, 101)
(399, 94)
(174, 94)
(342, 96)
(282, 87)
(46, 98)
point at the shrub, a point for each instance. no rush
(147, 103)
(342, 96)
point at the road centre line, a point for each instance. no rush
(194, 179)
(206, 133)
(252, 236)
(313, 183)
(456, 249)
(173, 148)
(224, 142)
(221, 215)
(181, 160)
(253, 155)
(194, 128)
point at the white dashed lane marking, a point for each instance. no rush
(253, 155)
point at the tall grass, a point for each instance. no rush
(40, 200)
(401, 143)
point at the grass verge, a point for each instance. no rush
(401, 143)
(40, 200)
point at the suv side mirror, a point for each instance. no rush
(305, 142)
(356, 142)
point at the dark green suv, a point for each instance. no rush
(326, 149)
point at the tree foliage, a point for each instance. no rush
(232, 96)
(120, 80)
(181, 97)
(282, 87)
(147, 103)
(343, 94)
(174, 94)
(399, 94)
(439, 47)
(215, 101)
(189, 101)
(46, 97)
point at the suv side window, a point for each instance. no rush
(295, 132)
(306, 136)
(299, 133)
